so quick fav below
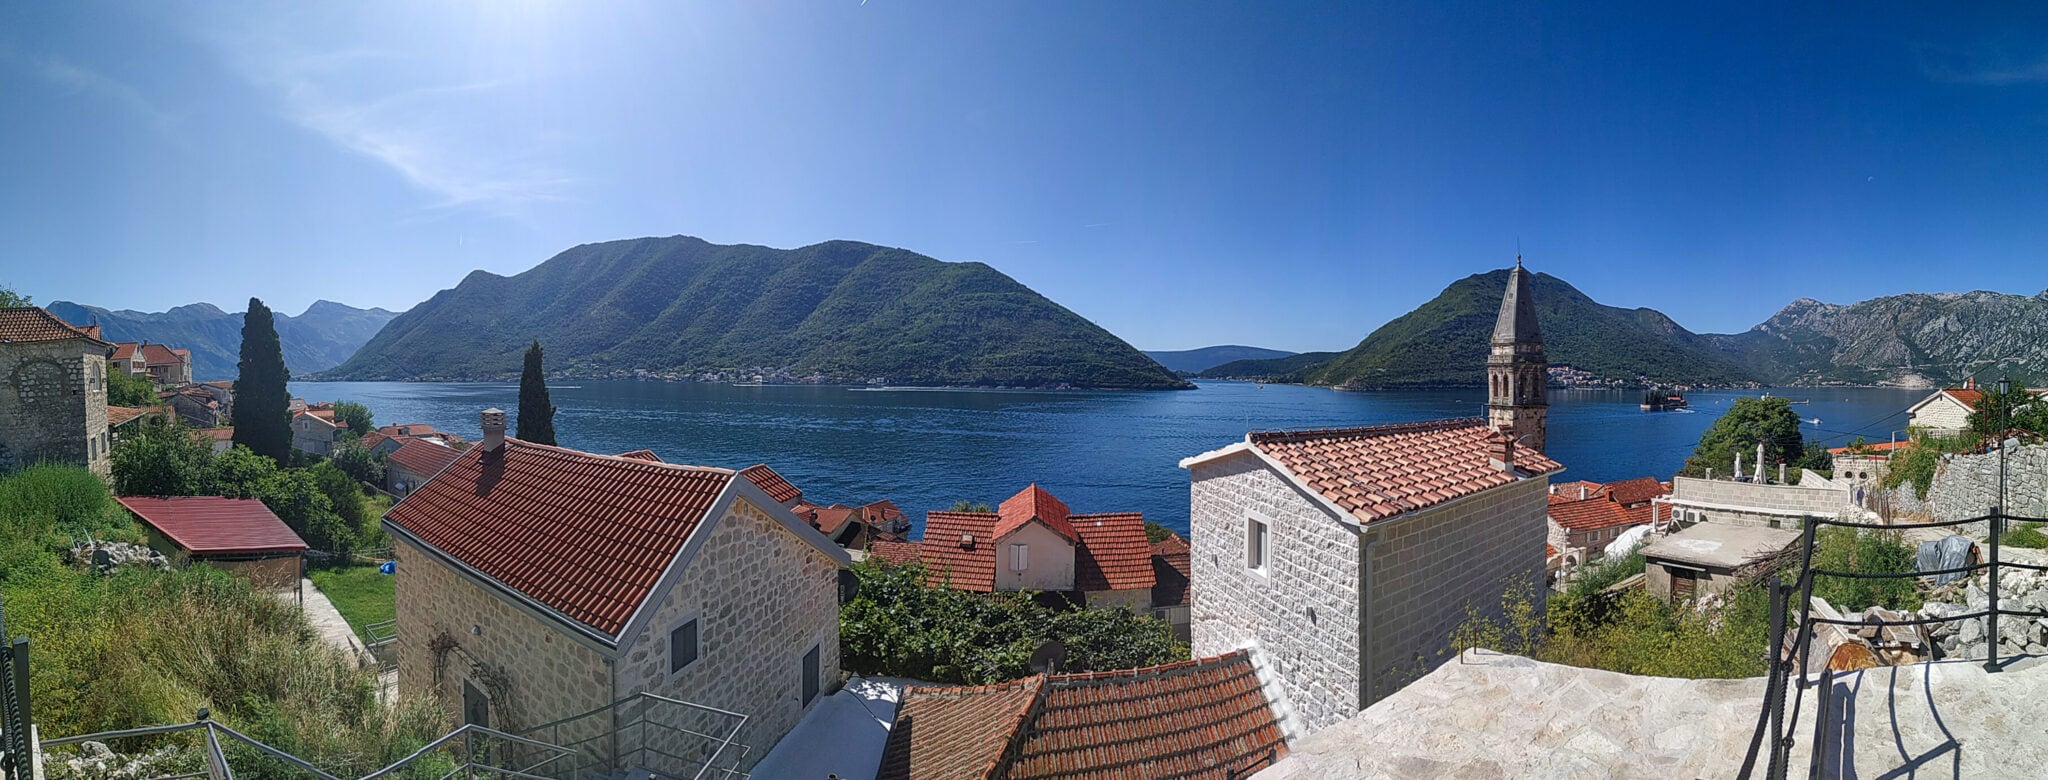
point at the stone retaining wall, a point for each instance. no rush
(1967, 486)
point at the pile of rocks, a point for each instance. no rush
(2019, 590)
(108, 557)
(96, 762)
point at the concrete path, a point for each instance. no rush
(328, 623)
(1489, 715)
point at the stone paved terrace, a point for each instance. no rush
(1487, 715)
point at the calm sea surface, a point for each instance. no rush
(1098, 451)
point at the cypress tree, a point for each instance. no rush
(536, 413)
(262, 404)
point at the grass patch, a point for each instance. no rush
(360, 594)
(2026, 535)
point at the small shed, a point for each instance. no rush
(1702, 560)
(238, 534)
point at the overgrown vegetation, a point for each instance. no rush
(322, 503)
(2026, 535)
(899, 626)
(147, 647)
(125, 389)
(1864, 551)
(1917, 463)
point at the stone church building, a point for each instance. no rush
(1348, 557)
(53, 392)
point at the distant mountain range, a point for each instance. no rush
(1916, 339)
(319, 339)
(680, 306)
(1195, 361)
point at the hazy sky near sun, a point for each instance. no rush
(1281, 174)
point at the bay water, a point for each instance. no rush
(1099, 451)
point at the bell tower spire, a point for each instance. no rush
(1517, 402)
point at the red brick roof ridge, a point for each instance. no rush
(1414, 426)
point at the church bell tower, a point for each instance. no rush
(1516, 370)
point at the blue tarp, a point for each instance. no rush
(1949, 552)
(388, 567)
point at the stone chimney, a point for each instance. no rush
(1582, 492)
(1501, 451)
(494, 429)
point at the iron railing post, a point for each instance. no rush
(1997, 526)
(1818, 764)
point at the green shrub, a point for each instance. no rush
(1634, 633)
(1864, 551)
(48, 498)
(2026, 535)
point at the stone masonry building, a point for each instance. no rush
(1349, 557)
(53, 392)
(537, 583)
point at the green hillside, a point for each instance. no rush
(1266, 368)
(841, 309)
(1444, 342)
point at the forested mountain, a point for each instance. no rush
(1195, 361)
(1444, 342)
(321, 338)
(1266, 368)
(1916, 339)
(680, 305)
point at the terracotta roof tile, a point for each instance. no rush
(1378, 472)
(423, 456)
(1967, 395)
(1033, 503)
(587, 535)
(121, 414)
(1206, 718)
(214, 524)
(1113, 553)
(1173, 544)
(371, 440)
(646, 455)
(28, 324)
(883, 511)
(1875, 447)
(160, 355)
(1593, 514)
(125, 350)
(777, 488)
(893, 552)
(945, 560)
(1569, 491)
(1629, 492)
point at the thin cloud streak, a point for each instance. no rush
(84, 80)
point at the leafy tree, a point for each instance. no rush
(536, 413)
(239, 473)
(352, 457)
(898, 625)
(1156, 533)
(970, 506)
(1750, 420)
(294, 495)
(11, 299)
(125, 389)
(356, 415)
(160, 457)
(2016, 409)
(262, 404)
(344, 493)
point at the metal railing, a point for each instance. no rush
(1772, 740)
(17, 745)
(468, 751)
(668, 737)
(378, 636)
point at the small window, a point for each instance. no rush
(1020, 557)
(811, 675)
(682, 646)
(1255, 544)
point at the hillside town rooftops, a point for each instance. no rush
(1382, 471)
(215, 524)
(1593, 514)
(1204, 718)
(1110, 551)
(32, 324)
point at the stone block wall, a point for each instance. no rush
(451, 630)
(1750, 504)
(1432, 570)
(1303, 611)
(1967, 486)
(53, 405)
(763, 598)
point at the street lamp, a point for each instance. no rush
(1997, 523)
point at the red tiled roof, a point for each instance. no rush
(28, 324)
(313, 415)
(423, 457)
(893, 552)
(1635, 491)
(1969, 396)
(91, 331)
(1569, 491)
(407, 429)
(1113, 553)
(125, 350)
(1205, 718)
(882, 511)
(120, 414)
(371, 440)
(1379, 472)
(587, 535)
(1173, 544)
(828, 519)
(1172, 570)
(215, 524)
(777, 488)
(1592, 514)
(158, 355)
(945, 561)
(1876, 446)
(1549, 551)
(957, 732)
(216, 434)
(1033, 503)
(646, 455)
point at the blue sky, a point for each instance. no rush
(1184, 173)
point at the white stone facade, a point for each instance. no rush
(1695, 500)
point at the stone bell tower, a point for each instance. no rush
(1516, 369)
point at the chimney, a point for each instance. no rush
(494, 429)
(1582, 492)
(967, 541)
(1501, 450)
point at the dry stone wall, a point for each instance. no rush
(1967, 486)
(53, 405)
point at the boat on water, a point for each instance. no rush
(1663, 401)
